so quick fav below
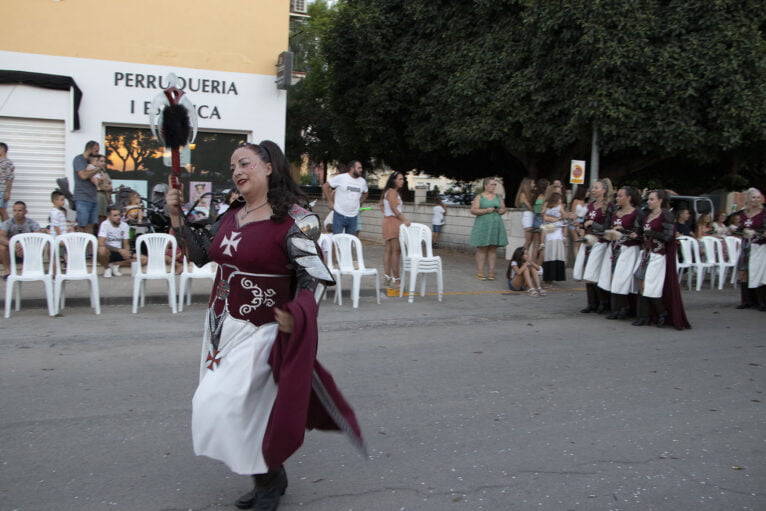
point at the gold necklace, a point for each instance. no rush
(248, 211)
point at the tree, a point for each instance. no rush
(467, 88)
(309, 120)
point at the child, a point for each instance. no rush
(93, 164)
(134, 211)
(58, 221)
(437, 221)
(523, 274)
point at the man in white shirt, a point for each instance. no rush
(113, 244)
(350, 193)
(18, 224)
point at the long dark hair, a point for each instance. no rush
(518, 256)
(580, 193)
(390, 182)
(662, 196)
(633, 195)
(283, 192)
(540, 186)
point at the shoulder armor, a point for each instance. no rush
(306, 221)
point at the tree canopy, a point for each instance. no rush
(465, 88)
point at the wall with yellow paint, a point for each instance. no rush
(243, 36)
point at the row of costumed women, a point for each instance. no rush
(629, 252)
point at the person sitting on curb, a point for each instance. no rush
(18, 224)
(113, 245)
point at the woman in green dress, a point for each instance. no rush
(488, 231)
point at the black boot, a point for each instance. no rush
(619, 307)
(590, 290)
(642, 307)
(760, 292)
(265, 485)
(662, 312)
(603, 300)
(745, 296)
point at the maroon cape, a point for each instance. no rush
(671, 290)
(297, 406)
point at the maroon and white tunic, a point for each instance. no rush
(756, 265)
(626, 255)
(589, 258)
(654, 259)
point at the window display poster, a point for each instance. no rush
(197, 189)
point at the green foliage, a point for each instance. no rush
(469, 88)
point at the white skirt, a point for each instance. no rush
(655, 276)
(232, 404)
(756, 269)
(592, 269)
(579, 264)
(605, 274)
(623, 282)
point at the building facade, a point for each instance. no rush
(78, 70)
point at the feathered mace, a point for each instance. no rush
(178, 124)
(612, 234)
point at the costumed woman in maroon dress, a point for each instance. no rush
(752, 260)
(260, 384)
(625, 233)
(660, 296)
(593, 253)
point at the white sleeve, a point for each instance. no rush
(102, 229)
(124, 231)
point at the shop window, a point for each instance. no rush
(134, 158)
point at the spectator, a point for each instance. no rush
(577, 211)
(85, 192)
(437, 220)
(134, 210)
(523, 202)
(554, 256)
(682, 223)
(113, 244)
(537, 198)
(58, 222)
(229, 196)
(7, 170)
(720, 226)
(704, 226)
(103, 186)
(523, 274)
(392, 219)
(19, 224)
(350, 193)
(488, 230)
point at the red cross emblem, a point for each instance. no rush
(213, 359)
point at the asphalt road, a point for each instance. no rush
(486, 401)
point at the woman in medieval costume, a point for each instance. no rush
(752, 261)
(660, 297)
(625, 235)
(260, 385)
(593, 252)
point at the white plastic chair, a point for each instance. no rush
(35, 246)
(714, 255)
(155, 245)
(347, 248)
(733, 247)
(187, 277)
(418, 257)
(700, 264)
(328, 260)
(686, 253)
(76, 245)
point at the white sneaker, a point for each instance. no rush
(116, 271)
(108, 273)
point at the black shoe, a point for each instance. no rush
(661, 320)
(588, 309)
(744, 306)
(253, 497)
(640, 322)
(620, 314)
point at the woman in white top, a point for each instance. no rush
(392, 219)
(577, 211)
